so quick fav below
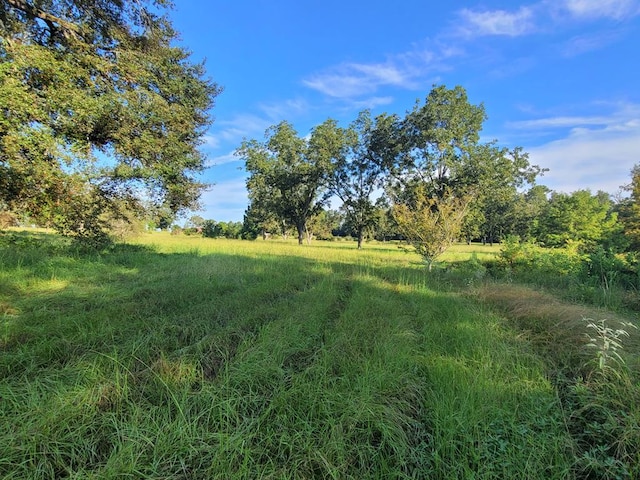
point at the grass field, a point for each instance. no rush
(183, 357)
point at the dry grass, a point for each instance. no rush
(551, 323)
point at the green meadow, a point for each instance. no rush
(177, 357)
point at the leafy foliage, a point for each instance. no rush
(288, 174)
(371, 149)
(213, 229)
(439, 140)
(431, 158)
(97, 102)
(445, 170)
(607, 343)
(578, 217)
(629, 210)
(431, 224)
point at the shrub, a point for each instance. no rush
(7, 219)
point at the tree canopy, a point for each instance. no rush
(445, 169)
(430, 164)
(99, 108)
(629, 209)
(580, 217)
(289, 174)
(439, 140)
(370, 150)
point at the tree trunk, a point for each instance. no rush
(359, 239)
(301, 232)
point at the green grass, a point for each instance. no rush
(182, 357)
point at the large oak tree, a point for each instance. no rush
(98, 107)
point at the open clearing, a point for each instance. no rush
(182, 357)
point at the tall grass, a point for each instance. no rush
(181, 357)
(592, 356)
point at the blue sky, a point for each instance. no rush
(560, 78)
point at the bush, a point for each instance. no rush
(7, 219)
(122, 229)
(514, 252)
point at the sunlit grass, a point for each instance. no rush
(180, 243)
(212, 358)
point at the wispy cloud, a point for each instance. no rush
(538, 16)
(355, 79)
(497, 22)
(591, 159)
(559, 122)
(237, 127)
(596, 152)
(372, 102)
(277, 112)
(248, 125)
(222, 159)
(226, 201)
(620, 117)
(210, 141)
(592, 9)
(406, 70)
(410, 70)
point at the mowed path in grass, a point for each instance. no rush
(202, 358)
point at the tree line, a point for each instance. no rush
(426, 178)
(436, 178)
(102, 115)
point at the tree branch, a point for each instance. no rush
(68, 29)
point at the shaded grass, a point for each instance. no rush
(601, 401)
(227, 359)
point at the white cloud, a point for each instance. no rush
(222, 159)
(355, 79)
(210, 141)
(497, 22)
(236, 128)
(592, 9)
(559, 122)
(538, 16)
(597, 152)
(407, 70)
(225, 201)
(338, 85)
(592, 160)
(372, 102)
(388, 74)
(249, 125)
(276, 112)
(620, 117)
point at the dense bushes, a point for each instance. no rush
(598, 276)
(591, 352)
